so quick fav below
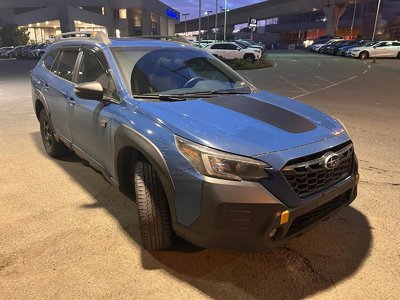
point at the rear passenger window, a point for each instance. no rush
(67, 64)
(49, 60)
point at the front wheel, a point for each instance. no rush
(249, 58)
(398, 55)
(53, 148)
(154, 216)
(363, 55)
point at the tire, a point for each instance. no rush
(53, 148)
(363, 55)
(398, 55)
(154, 216)
(249, 58)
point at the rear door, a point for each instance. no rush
(90, 119)
(57, 84)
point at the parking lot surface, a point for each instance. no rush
(65, 233)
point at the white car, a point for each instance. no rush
(228, 50)
(380, 49)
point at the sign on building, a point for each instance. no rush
(252, 22)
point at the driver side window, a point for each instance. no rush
(91, 69)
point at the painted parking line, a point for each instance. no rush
(294, 84)
(324, 79)
(327, 87)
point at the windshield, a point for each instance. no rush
(176, 71)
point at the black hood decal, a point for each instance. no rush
(265, 112)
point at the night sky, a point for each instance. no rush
(192, 6)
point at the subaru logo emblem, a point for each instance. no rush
(331, 160)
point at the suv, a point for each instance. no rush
(230, 50)
(205, 154)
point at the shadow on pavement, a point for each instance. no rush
(316, 261)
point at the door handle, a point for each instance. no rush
(71, 101)
(46, 86)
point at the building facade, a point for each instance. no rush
(291, 21)
(47, 18)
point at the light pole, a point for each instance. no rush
(352, 22)
(216, 20)
(207, 13)
(199, 20)
(376, 19)
(225, 11)
(185, 15)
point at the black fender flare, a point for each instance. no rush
(128, 137)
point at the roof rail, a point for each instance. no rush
(89, 35)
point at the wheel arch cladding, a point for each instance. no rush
(130, 142)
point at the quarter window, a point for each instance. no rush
(67, 64)
(50, 58)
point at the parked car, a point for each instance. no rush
(246, 44)
(25, 53)
(317, 47)
(210, 157)
(15, 52)
(38, 52)
(4, 50)
(379, 49)
(230, 50)
(368, 44)
(334, 47)
(254, 43)
(342, 49)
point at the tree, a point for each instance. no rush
(13, 35)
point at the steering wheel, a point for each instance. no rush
(192, 82)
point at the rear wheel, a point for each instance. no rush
(398, 55)
(249, 58)
(52, 147)
(363, 55)
(154, 216)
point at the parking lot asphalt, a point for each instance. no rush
(65, 233)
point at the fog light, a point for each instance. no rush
(273, 233)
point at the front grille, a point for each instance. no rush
(318, 213)
(311, 176)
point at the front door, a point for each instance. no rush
(90, 120)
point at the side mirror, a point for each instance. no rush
(238, 48)
(374, 47)
(89, 90)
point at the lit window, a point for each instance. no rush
(271, 21)
(103, 11)
(122, 13)
(137, 22)
(117, 33)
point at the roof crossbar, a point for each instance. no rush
(99, 36)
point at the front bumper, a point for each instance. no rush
(243, 215)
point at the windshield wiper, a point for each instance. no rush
(165, 97)
(223, 92)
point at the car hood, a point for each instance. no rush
(249, 125)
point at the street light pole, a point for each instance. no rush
(199, 20)
(185, 15)
(352, 22)
(207, 13)
(216, 20)
(225, 19)
(376, 19)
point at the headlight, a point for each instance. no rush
(219, 164)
